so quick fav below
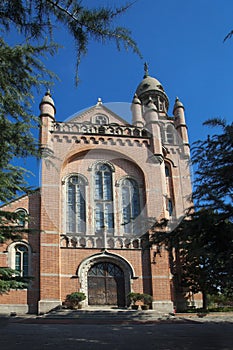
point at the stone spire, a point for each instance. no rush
(146, 70)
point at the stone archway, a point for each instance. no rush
(105, 278)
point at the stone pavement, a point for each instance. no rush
(116, 329)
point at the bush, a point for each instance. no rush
(133, 297)
(74, 299)
(147, 299)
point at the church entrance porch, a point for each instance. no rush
(105, 278)
(106, 285)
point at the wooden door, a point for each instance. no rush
(106, 285)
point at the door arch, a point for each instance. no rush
(106, 284)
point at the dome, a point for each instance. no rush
(177, 104)
(152, 88)
(47, 98)
(149, 84)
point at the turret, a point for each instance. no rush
(180, 123)
(150, 112)
(47, 107)
(136, 109)
(47, 115)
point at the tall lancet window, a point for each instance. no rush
(169, 185)
(104, 219)
(21, 259)
(76, 205)
(130, 204)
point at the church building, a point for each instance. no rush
(105, 182)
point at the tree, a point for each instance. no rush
(35, 19)
(203, 241)
(214, 160)
(22, 73)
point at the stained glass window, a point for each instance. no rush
(104, 218)
(130, 203)
(76, 205)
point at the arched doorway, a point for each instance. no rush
(106, 284)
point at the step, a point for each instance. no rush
(104, 314)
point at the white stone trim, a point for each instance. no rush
(11, 255)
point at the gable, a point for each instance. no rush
(98, 114)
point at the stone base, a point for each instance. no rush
(164, 306)
(45, 306)
(19, 309)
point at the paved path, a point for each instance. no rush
(157, 336)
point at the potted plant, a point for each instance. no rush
(134, 297)
(74, 299)
(147, 300)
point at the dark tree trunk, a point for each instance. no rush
(205, 303)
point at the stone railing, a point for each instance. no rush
(90, 241)
(93, 129)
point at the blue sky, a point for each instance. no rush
(181, 40)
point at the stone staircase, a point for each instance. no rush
(101, 316)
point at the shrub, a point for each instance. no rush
(133, 297)
(147, 299)
(74, 299)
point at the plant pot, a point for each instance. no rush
(145, 307)
(134, 307)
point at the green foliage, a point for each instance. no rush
(21, 72)
(147, 299)
(219, 300)
(214, 160)
(11, 279)
(74, 299)
(36, 19)
(134, 297)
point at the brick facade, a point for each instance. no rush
(61, 260)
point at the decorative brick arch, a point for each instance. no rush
(86, 264)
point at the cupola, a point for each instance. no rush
(152, 88)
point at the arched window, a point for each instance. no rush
(103, 198)
(21, 217)
(170, 134)
(21, 259)
(130, 203)
(170, 192)
(76, 205)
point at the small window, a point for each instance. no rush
(22, 216)
(21, 259)
(101, 120)
(167, 171)
(170, 207)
